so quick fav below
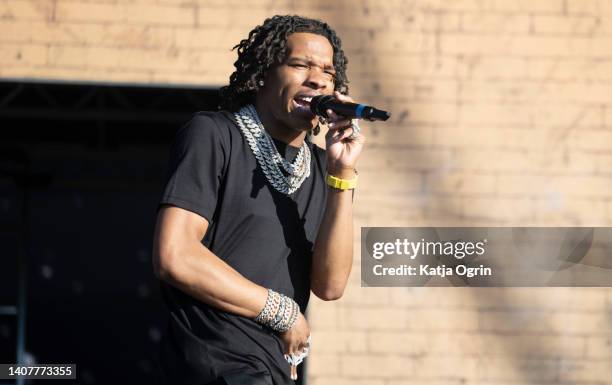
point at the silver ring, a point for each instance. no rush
(356, 129)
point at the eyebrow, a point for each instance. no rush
(305, 60)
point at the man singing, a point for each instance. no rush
(254, 215)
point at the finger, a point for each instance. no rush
(332, 116)
(342, 97)
(346, 134)
(293, 372)
(338, 135)
(340, 124)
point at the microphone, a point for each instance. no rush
(319, 104)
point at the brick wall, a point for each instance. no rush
(502, 115)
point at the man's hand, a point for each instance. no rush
(342, 149)
(295, 340)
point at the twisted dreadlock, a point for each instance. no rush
(265, 47)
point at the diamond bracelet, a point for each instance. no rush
(279, 313)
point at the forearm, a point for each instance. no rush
(195, 270)
(333, 252)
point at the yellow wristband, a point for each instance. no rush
(341, 184)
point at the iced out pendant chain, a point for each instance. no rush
(268, 157)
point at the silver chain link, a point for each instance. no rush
(268, 157)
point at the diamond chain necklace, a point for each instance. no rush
(268, 157)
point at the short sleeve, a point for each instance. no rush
(196, 167)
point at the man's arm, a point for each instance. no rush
(180, 259)
(332, 258)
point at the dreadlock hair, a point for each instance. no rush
(265, 47)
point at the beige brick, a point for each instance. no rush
(581, 185)
(377, 367)
(442, 319)
(167, 59)
(494, 160)
(442, 367)
(445, 205)
(397, 134)
(496, 23)
(148, 13)
(599, 347)
(539, 298)
(499, 92)
(329, 380)
(511, 210)
(550, 322)
(442, 381)
(474, 344)
(458, 5)
(527, 6)
(519, 369)
(241, 17)
(406, 183)
(593, 7)
(323, 364)
(88, 34)
(523, 185)
(396, 207)
(403, 65)
(593, 140)
(461, 183)
(322, 316)
(77, 74)
(567, 25)
(401, 159)
(416, 297)
(19, 55)
(207, 37)
(27, 10)
(567, 69)
(524, 45)
(583, 370)
(432, 90)
(563, 122)
(575, 211)
(207, 79)
(440, 22)
(578, 98)
(338, 342)
(394, 43)
(490, 136)
(424, 113)
(495, 114)
(371, 318)
(365, 295)
(490, 68)
(400, 343)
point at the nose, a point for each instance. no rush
(316, 79)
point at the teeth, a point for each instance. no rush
(305, 98)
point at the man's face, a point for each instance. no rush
(307, 71)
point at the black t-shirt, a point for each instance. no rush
(265, 235)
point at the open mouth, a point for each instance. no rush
(301, 104)
(303, 100)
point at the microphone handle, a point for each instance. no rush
(319, 104)
(356, 111)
